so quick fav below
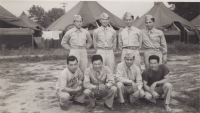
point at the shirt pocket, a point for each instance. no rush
(133, 38)
(73, 36)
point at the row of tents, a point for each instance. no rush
(22, 31)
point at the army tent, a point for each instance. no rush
(90, 11)
(13, 31)
(196, 22)
(166, 20)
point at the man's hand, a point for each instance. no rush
(78, 89)
(102, 87)
(80, 83)
(153, 86)
(155, 94)
(128, 82)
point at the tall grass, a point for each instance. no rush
(181, 48)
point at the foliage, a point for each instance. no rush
(187, 10)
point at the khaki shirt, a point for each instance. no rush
(104, 37)
(76, 37)
(68, 79)
(92, 78)
(130, 36)
(122, 75)
(154, 39)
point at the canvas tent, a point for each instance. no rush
(90, 11)
(173, 26)
(196, 22)
(13, 31)
(32, 24)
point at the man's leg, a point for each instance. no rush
(102, 53)
(80, 97)
(159, 54)
(120, 91)
(110, 97)
(76, 53)
(88, 93)
(64, 100)
(134, 93)
(83, 60)
(110, 59)
(149, 97)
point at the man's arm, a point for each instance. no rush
(120, 41)
(95, 39)
(89, 40)
(65, 41)
(114, 39)
(139, 79)
(146, 87)
(140, 38)
(109, 78)
(163, 47)
(86, 81)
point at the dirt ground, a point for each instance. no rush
(30, 88)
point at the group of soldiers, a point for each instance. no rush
(98, 81)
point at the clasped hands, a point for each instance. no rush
(152, 91)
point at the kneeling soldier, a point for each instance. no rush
(69, 84)
(98, 83)
(129, 80)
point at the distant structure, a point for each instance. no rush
(64, 5)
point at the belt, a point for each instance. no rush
(78, 47)
(153, 49)
(131, 47)
(105, 48)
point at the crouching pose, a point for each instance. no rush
(129, 80)
(69, 84)
(156, 81)
(98, 83)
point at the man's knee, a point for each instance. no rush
(87, 92)
(148, 96)
(113, 89)
(120, 84)
(167, 85)
(142, 94)
(64, 96)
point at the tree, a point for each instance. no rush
(37, 14)
(187, 10)
(55, 13)
(44, 18)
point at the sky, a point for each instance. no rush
(117, 7)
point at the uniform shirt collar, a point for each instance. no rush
(101, 72)
(75, 29)
(151, 31)
(131, 28)
(104, 28)
(126, 67)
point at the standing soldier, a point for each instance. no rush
(104, 39)
(77, 40)
(130, 39)
(154, 41)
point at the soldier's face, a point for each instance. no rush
(149, 24)
(129, 61)
(72, 66)
(129, 21)
(78, 23)
(153, 64)
(104, 22)
(97, 65)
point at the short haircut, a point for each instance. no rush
(97, 57)
(154, 57)
(153, 19)
(71, 58)
(81, 18)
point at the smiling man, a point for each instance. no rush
(156, 81)
(130, 39)
(153, 41)
(77, 40)
(104, 41)
(98, 83)
(69, 84)
(129, 79)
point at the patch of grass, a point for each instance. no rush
(181, 48)
(12, 87)
(193, 100)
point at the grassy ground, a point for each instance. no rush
(29, 87)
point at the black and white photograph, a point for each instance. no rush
(114, 56)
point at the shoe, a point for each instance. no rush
(122, 105)
(111, 109)
(77, 103)
(63, 107)
(95, 105)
